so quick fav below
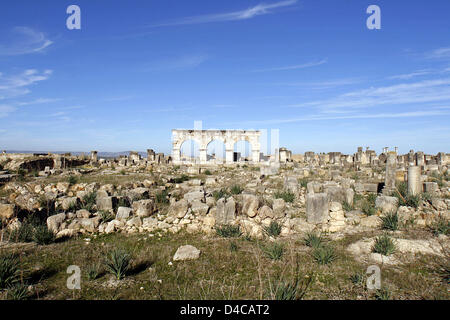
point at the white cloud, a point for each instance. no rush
(18, 84)
(5, 110)
(23, 40)
(293, 67)
(440, 53)
(260, 9)
(323, 84)
(38, 101)
(417, 92)
(410, 75)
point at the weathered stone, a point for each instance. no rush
(370, 222)
(144, 208)
(386, 204)
(55, 221)
(82, 213)
(317, 208)
(194, 195)
(265, 212)
(225, 211)
(199, 207)
(62, 187)
(90, 224)
(149, 223)
(186, 252)
(279, 207)
(135, 222)
(123, 213)
(106, 203)
(335, 206)
(250, 205)
(179, 208)
(6, 211)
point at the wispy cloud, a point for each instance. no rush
(18, 84)
(327, 84)
(23, 40)
(440, 53)
(411, 114)
(411, 75)
(6, 109)
(297, 66)
(417, 92)
(178, 63)
(260, 9)
(38, 101)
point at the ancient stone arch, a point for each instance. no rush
(204, 137)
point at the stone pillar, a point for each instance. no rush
(414, 180)
(420, 158)
(176, 155)
(391, 173)
(317, 208)
(229, 155)
(150, 155)
(203, 155)
(94, 157)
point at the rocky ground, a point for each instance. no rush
(223, 233)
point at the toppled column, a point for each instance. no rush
(391, 173)
(414, 180)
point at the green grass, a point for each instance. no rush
(313, 240)
(324, 255)
(18, 291)
(389, 221)
(207, 172)
(440, 226)
(218, 194)
(384, 245)
(181, 179)
(117, 263)
(303, 182)
(347, 207)
(9, 270)
(72, 180)
(228, 231)
(236, 189)
(162, 197)
(287, 196)
(274, 250)
(42, 235)
(89, 201)
(273, 230)
(93, 272)
(383, 294)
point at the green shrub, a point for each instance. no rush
(383, 294)
(181, 179)
(287, 196)
(233, 246)
(384, 245)
(313, 240)
(42, 235)
(228, 231)
(358, 278)
(390, 221)
(162, 197)
(18, 291)
(274, 250)
(22, 234)
(368, 208)
(413, 200)
(208, 173)
(93, 271)
(123, 172)
(118, 263)
(273, 230)
(236, 189)
(72, 180)
(324, 255)
(440, 226)
(285, 291)
(347, 207)
(89, 201)
(218, 194)
(9, 270)
(303, 182)
(106, 216)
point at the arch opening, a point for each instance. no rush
(189, 151)
(215, 151)
(242, 151)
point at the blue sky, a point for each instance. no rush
(311, 69)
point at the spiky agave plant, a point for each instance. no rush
(118, 263)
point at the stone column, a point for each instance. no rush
(420, 158)
(203, 155)
(229, 155)
(255, 155)
(414, 180)
(94, 157)
(176, 155)
(391, 173)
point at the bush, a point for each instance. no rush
(118, 263)
(228, 231)
(9, 270)
(162, 197)
(181, 179)
(287, 196)
(274, 250)
(303, 182)
(222, 193)
(324, 255)
(273, 230)
(347, 207)
(285, 291)
(368, 208)
(384, 245)
(236, 189)
(313, 240)
(389, 221)
(89, 201)
(72, 180)
(208, 173)
(358, 278)
(382, 294)
(233, 246)
(440, 226)
(18, 291)
(93, 271)
(106, 216)
(42, 235)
